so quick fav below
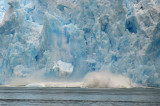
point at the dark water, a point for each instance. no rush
(19, 96)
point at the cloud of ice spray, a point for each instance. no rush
(105, 79)
(97, 79)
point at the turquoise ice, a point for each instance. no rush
(122, 36)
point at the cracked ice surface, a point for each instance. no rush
(122, 36)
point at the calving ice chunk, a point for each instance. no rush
(62, 68)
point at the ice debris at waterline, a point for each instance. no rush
(122, 36)
(101, 79)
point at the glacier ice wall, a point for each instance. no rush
(122, 36)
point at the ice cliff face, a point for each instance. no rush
(122, 36)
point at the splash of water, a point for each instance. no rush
(101, 79)
(106, 79)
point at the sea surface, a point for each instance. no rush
(32, 96)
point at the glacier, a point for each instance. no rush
(81, 36)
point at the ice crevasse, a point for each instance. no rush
(66, 39)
